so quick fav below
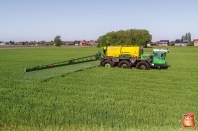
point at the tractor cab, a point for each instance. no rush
(159, 58)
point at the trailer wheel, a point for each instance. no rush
(124, 64)
(107, 63)
(143, 65)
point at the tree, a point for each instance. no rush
(187, 37)
(11, 42)
(184, 37)
(172, 43)
(57, 40)
(133, 37)
(42, 42)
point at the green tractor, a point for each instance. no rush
(157, 59)
(113, 56)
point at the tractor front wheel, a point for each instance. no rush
(143, 65)
(107, 63)
(124, 64)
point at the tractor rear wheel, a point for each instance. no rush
(124, 64)
(143, 65)
(107, 63)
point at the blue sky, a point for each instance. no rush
(27, 20)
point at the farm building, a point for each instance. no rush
(172, 43)
(178, 42)
(49, 43)
(69, 42)
(2, 43)
(149, 44)
(82, 43)
(91, 42)
(153, 43)
(164, 43)
(196, 42)
(185, 42)
(87, 43)
(77, 43)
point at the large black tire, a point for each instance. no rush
(107, 63)
(124, 64)
(143, 65)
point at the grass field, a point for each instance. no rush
(95, 99)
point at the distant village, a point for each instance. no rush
(177, 42)
(46, 43)
(184, 41)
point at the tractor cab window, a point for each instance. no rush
(162, 56)
(156, 54)
(159, 55)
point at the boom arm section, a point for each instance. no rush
(95, 57)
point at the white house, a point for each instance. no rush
(164, 43)
(178, 42)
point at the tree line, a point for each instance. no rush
(132, 37)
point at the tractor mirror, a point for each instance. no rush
(167, 50)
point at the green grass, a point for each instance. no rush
(100, 99)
